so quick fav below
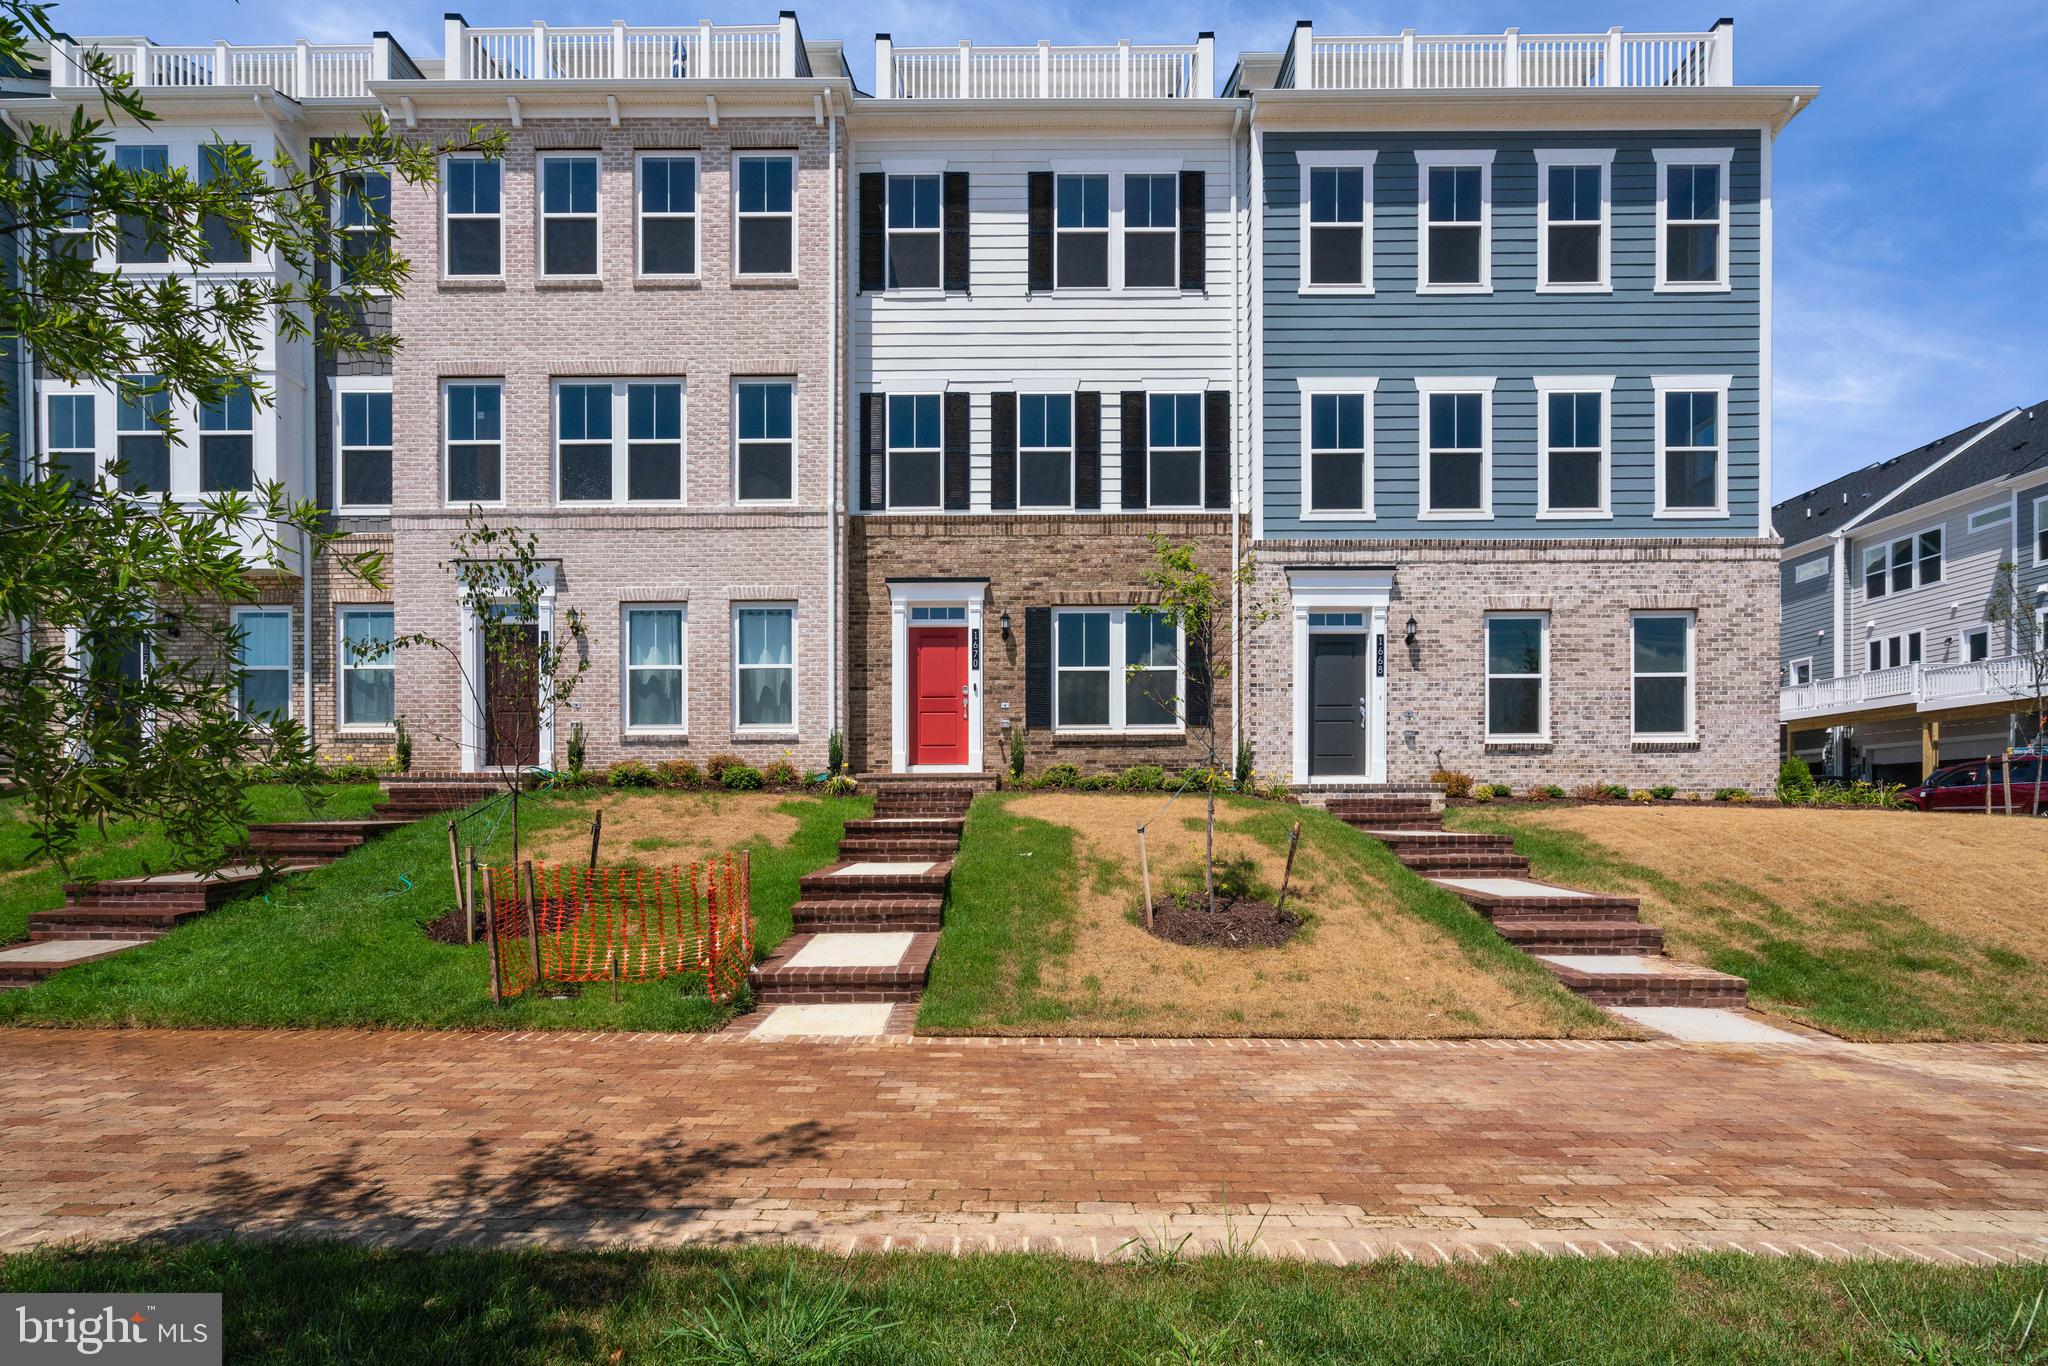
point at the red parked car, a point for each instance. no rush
(1961, 787)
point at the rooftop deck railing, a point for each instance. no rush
(624, 52)
(1511, 61)
(1043, 71)
(1925, 687)
(302, 70)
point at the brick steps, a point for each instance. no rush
(1455, 863)
(949, 826)
(784, 980)
(1441, 841)
(24, 965)
(816, 915)
(887, 847)
(878, 881)
(1581, 936)
(1679, 985)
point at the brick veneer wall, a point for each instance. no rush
(1039, 561)
(1589, 587)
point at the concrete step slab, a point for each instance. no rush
(1694, 1024)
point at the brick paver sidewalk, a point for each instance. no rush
(1348, 1150)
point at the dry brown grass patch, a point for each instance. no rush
(668, 827)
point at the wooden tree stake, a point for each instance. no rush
(1145, 870)
(596, 829)
(491, 937)
(532, 919)
(1287, 873)
(469, 893)
(455, 871)
(2008, 782)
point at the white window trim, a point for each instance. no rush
(1555, 157)
(937, 232)
(1985, 518)
(1201, 449)
(1310, 386)
(1113, 196)
(795, 668)
(1819, 565)
(1904, 640)
(1425, 386)
(1792, 668)
(1119, 674)
(1660, 385)
(1692, 630)
(1311, 161)
(681, 666)
(236, 618)
(1115, 170)
(448, 387)
(542, 216)
(1035, 389)
(2040, 523)
(344, 665)
(696, 214)
(1963, 643)
(794, 215)
(334, 217)
(889, 449)
(362, 384)
(621, 440)
(1692, 156)
(1120, 231)
(795, 426)
(105, 408)
(1546, 385)
(447, 217)
(1424, 161)
(1911, 539)
(1541, 736)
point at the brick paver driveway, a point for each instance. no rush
(1349, 1150)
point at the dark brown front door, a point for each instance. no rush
(512, 694)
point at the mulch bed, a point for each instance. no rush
(1235, 924)
(451, 927)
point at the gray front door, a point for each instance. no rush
(1336, 706)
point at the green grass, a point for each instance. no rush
(326, 1302)
(342, 946)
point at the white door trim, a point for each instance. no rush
(968, 593)
(472, 657)
(1342, 590)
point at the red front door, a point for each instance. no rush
(938, 695)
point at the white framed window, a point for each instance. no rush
(1045, 451)
(1983, 519)
(1692, 218)
(654, 677)
(1173, 451)
(619, 441)
(1661, 667)
(72, 234)
(366, 660)
(913, 243)
(1573, 221)
(362, 444)
(1081, 232)
(1799, 673)
(1574, 477)
(223, 246)
(1454, 219)
(1116, 669)
(133, 245)
(765, 214)
(71, 439)
(764, 666)
(667, 229)
(568, 215)
(764, 453)
(1456, 428)
(473, 441)
(263, 656)
(1903, 563)
(1692, 445)
(1977, 644)
(473, 217)
(1892, 652)
(141, 444)
(1816, 568)
(227, 442)
(2041, 530)
(1151, 247)
(916, 458)
(362, 220)
(1336, 222)
(1336, 475)
(1518, 676)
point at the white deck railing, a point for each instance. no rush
(1125, 70)
(1928, 688)
(302, 70)
(624, 52)
(1514, 60)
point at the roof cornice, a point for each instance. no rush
(1107, 117)
(1743, 106)
(782, 97)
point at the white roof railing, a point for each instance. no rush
(1514, 60)
(1926, 687)
(1043, 71)
(302, 70)
(619, 51)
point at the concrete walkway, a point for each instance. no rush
(1349, 1150)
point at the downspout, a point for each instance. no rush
(832, 390)
(1236, 517)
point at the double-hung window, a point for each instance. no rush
(1339, 454)
(1336, 223)
(475, 441)
(1517, 677)
(1173, 473)
(72, 235)
(363, 453)
(2041, 530)
(1977, 644)
(914, 245)
(766, 458)
(223, 247)
(619, 441)
(1692, 446)
(133, 245)
(473, 233)
(1456, 216)
(1904, 563)
(764, 667)
(227, 443)
(263, 658)
(1893, 652)
(1045, 450)
(568, 214)
(1661, 649)
(767, 215)
(1572, 479)
(655, 678)
(143, 445)
(1457, 455)
(70, 444)
(1572, 243)
(368, 676)
(668, 215)
(915, 462)
(1692, 219)
(1799, 673)
(1081, 232)
(1116, 669)
(362, 220)
(1151, 231)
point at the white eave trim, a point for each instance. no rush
(1868, 519)
(1765, 106)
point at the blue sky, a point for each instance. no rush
(1912, 199)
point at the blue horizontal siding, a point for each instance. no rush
(1806, 618)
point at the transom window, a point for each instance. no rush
(1045, 450)
(1572, 228)
(1454, 246)
(1573, 453)
(915, 460)
(668, 215)
(1116, 669)
(1690, 464)
(364, 452)
(474, 233)
(1517, 677)
(1151, 231)
(227, 443)
(263, 656)
(1983, 519)
(1081, 232)
(1456, 479)
(766, 457)
(1338, 471)
(1662, 663)
(133, 245)
(70, 442)
(143, 446)
(1336, 619)
(619, 437)
(1173, 475)
(475, 443)
(655, 677)
(368, 675)
(223, 246)
(1892, 652)
(938, 615)
(1339, 250)
(767, 215)
(362, 218)
(764, 667)
(1810, 570)
(568, 215)
(914, 243)
(1693, 221)
(1902, 564)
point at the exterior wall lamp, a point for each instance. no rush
(1408, 634)
(1004, 622)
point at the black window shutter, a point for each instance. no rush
(1038, 218)
(1197, 708)
(953, 218)
(1193, 232)
(956, 452)
(1216, 449)
(873, 189)
(1134, 448)
(1038, 668)
(1088, 449)
(874, 449)
(1002, 446)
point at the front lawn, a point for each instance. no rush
(342, 945)
(1041, 934)
(328, 1302)
(1867, 924)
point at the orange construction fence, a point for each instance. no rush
(632, 924)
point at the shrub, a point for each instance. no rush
(781, 773)
(1613, 792)
(630, 773)
(1241, 771)
(1482, 792)
(835, 752)
(401, 747)
(1142, 778)
(1795, 781)
(717, 764)
(681, 774)
(1730, 794)
(1060, 775)
(1545, 792)
(1590, 792)
(1664, 792)
(740, 778)
(1016, 751)
(1641, 795)
(1097, 782)
(1500, 791)
(1692, 797)
(353, 771)
(1453, 783)
(1196, 778)
(841, 785)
